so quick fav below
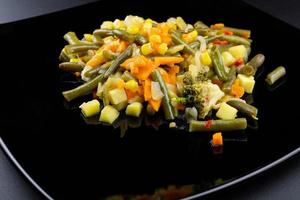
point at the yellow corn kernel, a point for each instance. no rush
(155, 38)
(193, 35)
(131, 85)
(205, 58)
(107, 25)
(146, 49)
(147, 25)
(119, 24)
(75, 60)
(133, 29)
(163, 48)
(88, 37)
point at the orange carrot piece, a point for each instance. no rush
(217, 139)
(147, 90)
(155, 104)
(236, 89)
(168, 60)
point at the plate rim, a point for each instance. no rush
(215, 189)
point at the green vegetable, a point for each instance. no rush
(255, 63)
(71, 38)
(218, 125)
(244, 108)
(175, 49)
(236, 39)
(179, 41)
(115, 32)
(218, 64)
(276, 74)
(79, 48)
(120, 59)
(140, 40)
(109, 55)
(231, 78)
(167, 107)
(82, 89)
(240, 32)
(97, 70)
(71, 66)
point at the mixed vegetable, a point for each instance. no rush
(197, 71)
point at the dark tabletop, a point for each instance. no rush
(281, 182)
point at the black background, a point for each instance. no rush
(283, 182)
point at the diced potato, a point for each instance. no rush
(117, 96)
(107, 25)
(109, 114)
(205, 58)
(247, 82)
(226, 112)
(120, 106)
(114, 82)
(239, 51)
(228, 59)
(134, 109)
(90, 108)
(131, 85)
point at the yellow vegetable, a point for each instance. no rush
(171, 23)
(74, 60)
(205, 58)
(88, 37)
(90, 108)
(134, 109)
(119, 24)
(247, 82)
(107, 25)
(131, 85)
(120, 106)
(147, 25)
(133, 29)
(163, 48)
(155, 38)
(226, 112)
(109, 114)
(117, 96)
(239, 51)
(146, 49)
(180, 23)
(228, 59)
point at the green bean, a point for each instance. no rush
(210, 39)
(63, 56)
(78, 48)
(194, 45)
(276, 74)
(166, 103)
(120, 59)
(175, 49)
(126, 76)
(248, 70)
(105, 95)
(82, 89)
(236, 39)
(96, 70)
(218, 125)
(218, 64)
(97, 40)
(71, 38)
(231, 78)
(109, 55)
(71, 66)
(244, 108)
(240, 32)
(115, 32)
(256, 62)
(187, 48)
(140, 40)
(200, 24)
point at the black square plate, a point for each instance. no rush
(71, 159)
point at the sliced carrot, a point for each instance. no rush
(164, 75)
(217, 139)
(220, 42)
(217, 26)
(227, 32)
(168, 60)
(122, 46)
(96, 60)
(147, 90)
(236, 89)
(172, 74)
(155, 104)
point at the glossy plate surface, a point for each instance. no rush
(71, 159)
